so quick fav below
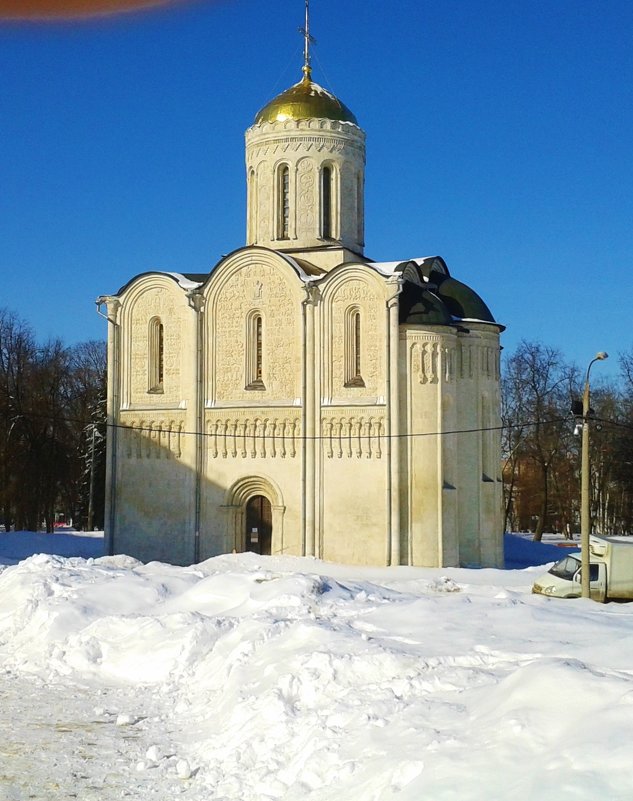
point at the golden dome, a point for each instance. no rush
(305, 100)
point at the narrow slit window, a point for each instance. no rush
(258, 348)
(283, 201)
(353, 349)
(326, 203)
(255, 352)
(156, 356)
(357, 345)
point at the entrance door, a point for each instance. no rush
(259, 525)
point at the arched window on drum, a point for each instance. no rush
(283, 202)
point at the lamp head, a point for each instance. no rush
(602, 355)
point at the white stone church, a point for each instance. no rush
(301, 398)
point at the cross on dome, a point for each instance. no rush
(307, 41)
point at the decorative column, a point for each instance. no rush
(309, 442)
(394, 427)
(196, 303)
(112, 418)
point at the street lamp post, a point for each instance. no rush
(585, 517)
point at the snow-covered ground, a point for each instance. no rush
(260, 678)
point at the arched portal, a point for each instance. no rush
(259, 525)
(255, 502)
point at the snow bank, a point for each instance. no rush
(289, 678)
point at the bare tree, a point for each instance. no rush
(537, 390)
(86, 493)
(17, 352)
(49, 396)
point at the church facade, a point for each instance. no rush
(300, 398)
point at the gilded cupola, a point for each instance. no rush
(305, 100)
(305, 170)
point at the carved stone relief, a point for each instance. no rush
(263, 288)
(353, 436)
(264, 202)
(305, 146)
(357, 293)
(428, 354)
(257, 435)
(157, 302)
(153, 439)
(306, 205)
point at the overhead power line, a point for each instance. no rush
(385, 436)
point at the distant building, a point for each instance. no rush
(301, 398)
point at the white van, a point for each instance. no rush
(610, 572)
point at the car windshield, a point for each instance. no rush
(566, 568)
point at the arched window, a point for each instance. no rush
(353, 348)
(155, 356)
(258, 348)
(254, 352)
(326, 203)
(283, 202)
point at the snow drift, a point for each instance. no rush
(282, 678)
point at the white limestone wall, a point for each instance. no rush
(253, 437)
(155, 451)
(353, 464)
(480, 489)
(251, 453)
(353, 501)
(305, 146)
(429, 454)
(253, 282)
(316, 448)
(452, 494)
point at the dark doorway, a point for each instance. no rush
(259, 525)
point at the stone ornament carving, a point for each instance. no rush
(305, 146)
(428, 362)
(434, 361)
(357, 294)
(306, 198)
(153, 439)
(353, 436)
(157, 302)
(262, 201)
(310, 129)
(261, 288)
(253, 436)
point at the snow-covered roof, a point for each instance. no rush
(184, 281)
(390, 267)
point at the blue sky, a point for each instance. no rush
(499, 137)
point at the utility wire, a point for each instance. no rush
(253, 435)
